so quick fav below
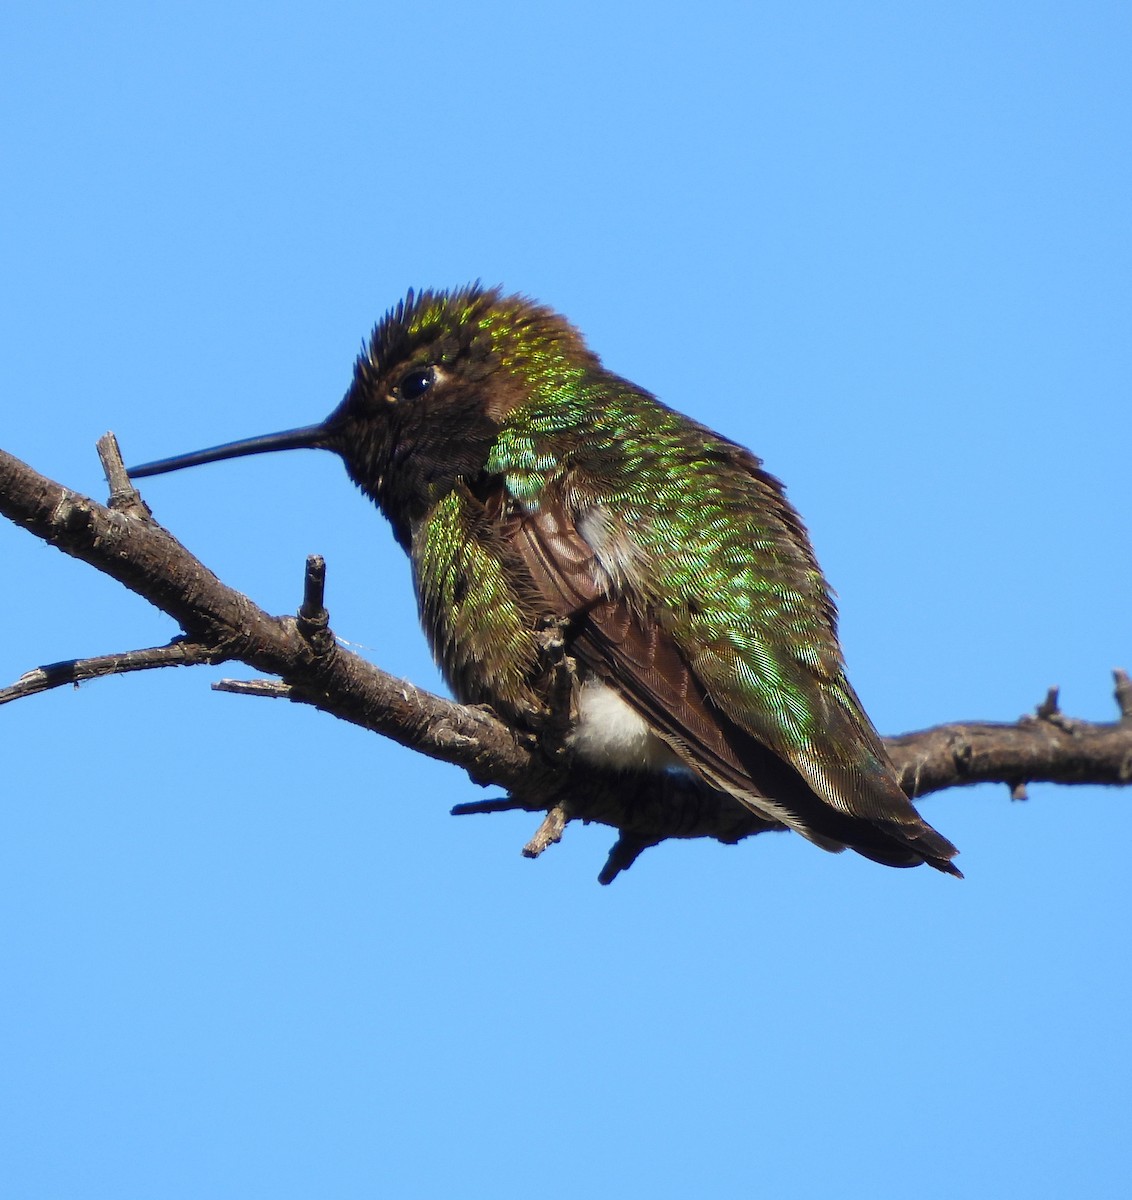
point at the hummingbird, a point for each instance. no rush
(530, 485)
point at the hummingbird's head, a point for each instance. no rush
(440, 373)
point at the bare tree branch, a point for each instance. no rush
(148, 560)
(1045, 748)
(219, 624)
(178, 653)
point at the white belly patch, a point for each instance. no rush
(609, 733)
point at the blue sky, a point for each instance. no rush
(246, 951)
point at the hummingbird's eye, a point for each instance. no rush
(415, 383)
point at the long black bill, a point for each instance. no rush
(310, 437)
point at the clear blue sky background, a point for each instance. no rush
(245, 950)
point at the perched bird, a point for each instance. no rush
(528, 484)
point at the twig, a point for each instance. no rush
(550, 831)
(496, 804)
(624, 853)
(314, 620)
(1123, 694)
(271, 689)
(177, 653)
(124, 497)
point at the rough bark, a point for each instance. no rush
(219, 624)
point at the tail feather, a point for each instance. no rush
(907, 841)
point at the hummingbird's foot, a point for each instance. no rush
(559, 684)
